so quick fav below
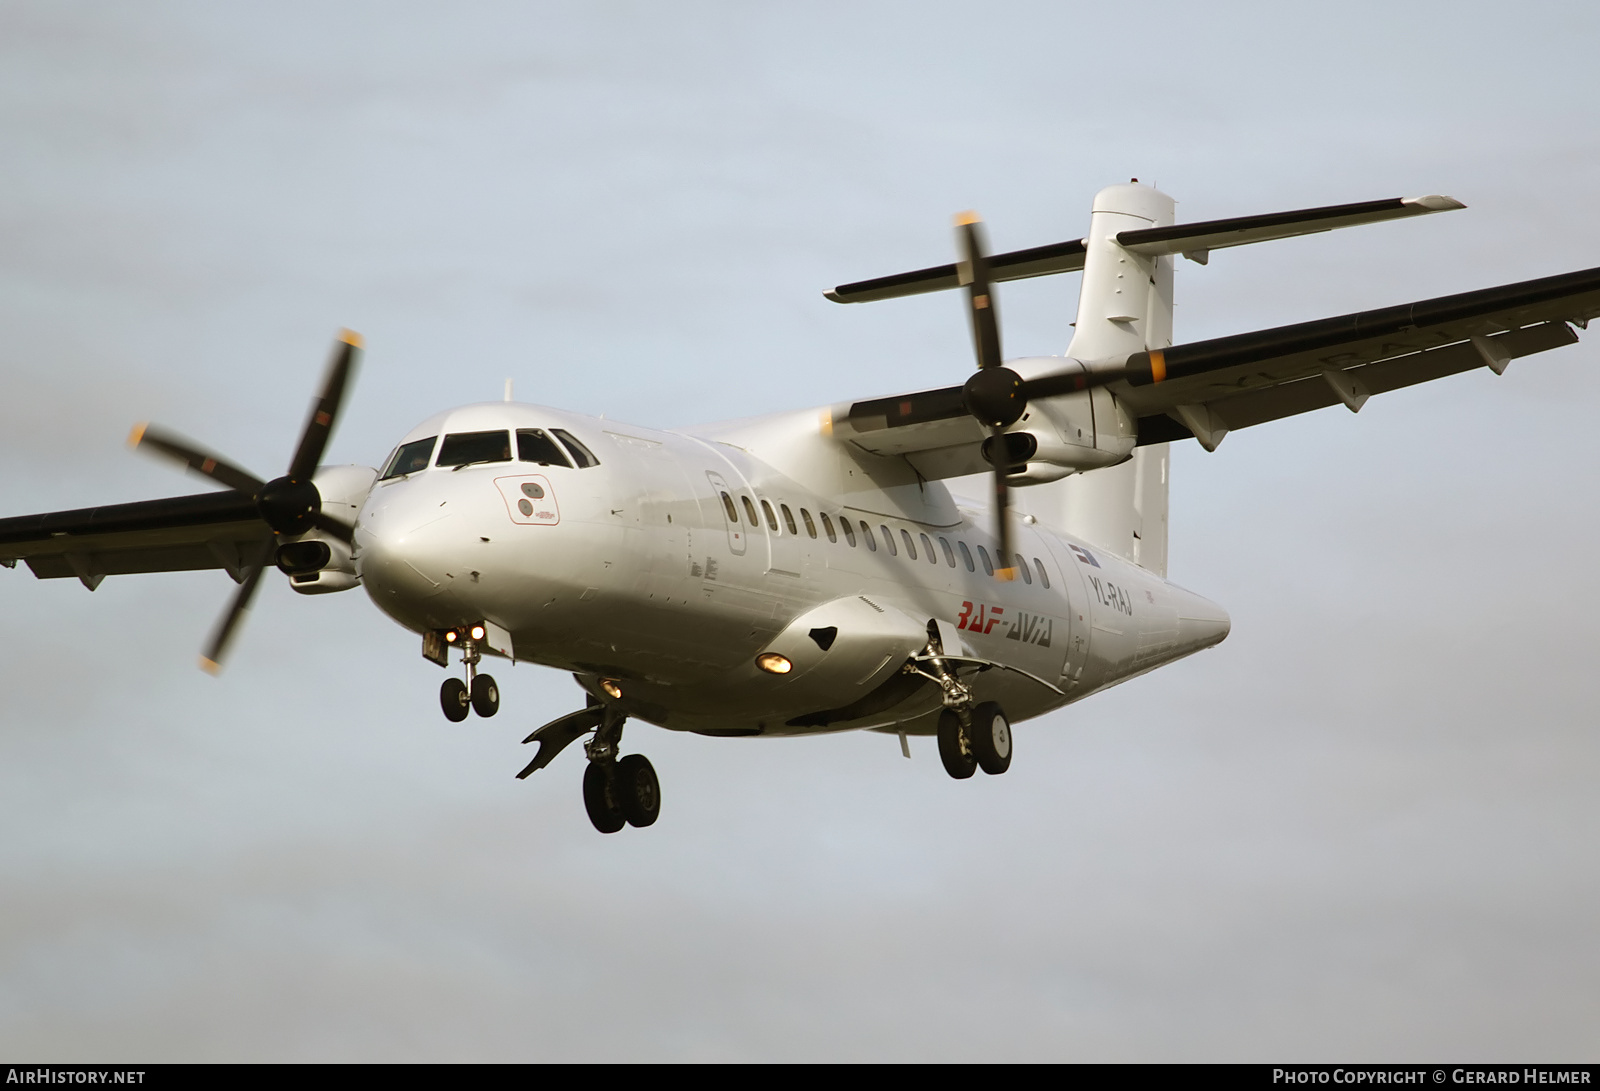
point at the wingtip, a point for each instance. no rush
(1434, 202)
(136, 436)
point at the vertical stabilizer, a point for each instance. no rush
(1124, 306)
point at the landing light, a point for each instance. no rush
(613, 690)
(773, 663)
(477, 632)
(451, 637)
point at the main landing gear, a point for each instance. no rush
(617, 791)
(478, 693)
(971, 736)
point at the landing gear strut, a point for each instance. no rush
(478, 693)
(618, 792)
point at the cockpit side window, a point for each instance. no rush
(463, 448)
(410, 458)
(534, 446)
(580, 454)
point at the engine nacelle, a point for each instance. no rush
(316, 562)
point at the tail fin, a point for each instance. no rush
(1124, 306)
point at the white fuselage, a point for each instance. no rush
(632, 571)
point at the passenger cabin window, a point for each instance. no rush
(750, 510)
(788, 519)
(580, 454)
(927, 548)
(827, 527)
(949, 557)
(905, 538)
(466, 448)
(411, 457)
(888, 540)
(772, 520)
(866, 536)
(1044, 577)
(727, 506)
(534, 446)
(849, 531)
(966, 556)
(811, 528)
(1022, 563)
(988, 565)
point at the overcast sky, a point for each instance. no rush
(1363, 827)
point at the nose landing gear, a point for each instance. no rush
(478, 693)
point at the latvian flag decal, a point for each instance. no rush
(1085, 556)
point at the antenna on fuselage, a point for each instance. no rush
(508, 390)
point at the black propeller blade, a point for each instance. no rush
(290, 505)
(994, 393)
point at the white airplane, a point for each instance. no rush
(811, 572)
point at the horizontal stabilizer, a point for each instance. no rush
(1196, 240)
(1199, 239)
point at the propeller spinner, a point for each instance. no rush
(290, 505)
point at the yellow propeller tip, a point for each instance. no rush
(1006, 574)
(136, 436)
(210, 666)
(352, 338)
(964, 218)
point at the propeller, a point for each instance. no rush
(997, 396)
(290, 505)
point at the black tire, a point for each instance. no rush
(600, 797)
(991, 738)
(954, 750)
(453, 699)
(638, 790)
(485, 695)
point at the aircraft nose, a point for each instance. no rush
(403, 550)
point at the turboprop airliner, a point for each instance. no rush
(811, 572)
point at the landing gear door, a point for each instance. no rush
(730, 513)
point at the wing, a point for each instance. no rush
(1207, 388)
(208, 530)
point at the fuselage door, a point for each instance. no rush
(730, 513)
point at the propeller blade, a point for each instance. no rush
(325, 410)
(148, 437)
(336, 527)
(211, 658)
(1002, 521)
(1149, 368)
(973, 272)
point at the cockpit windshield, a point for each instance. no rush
(534, 446)
(410, 458)
(464, 448)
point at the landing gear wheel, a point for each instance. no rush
(991, 738)
(955, 750)
(638, 791)
(453, 699)
(485, 695)
(600, 797)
